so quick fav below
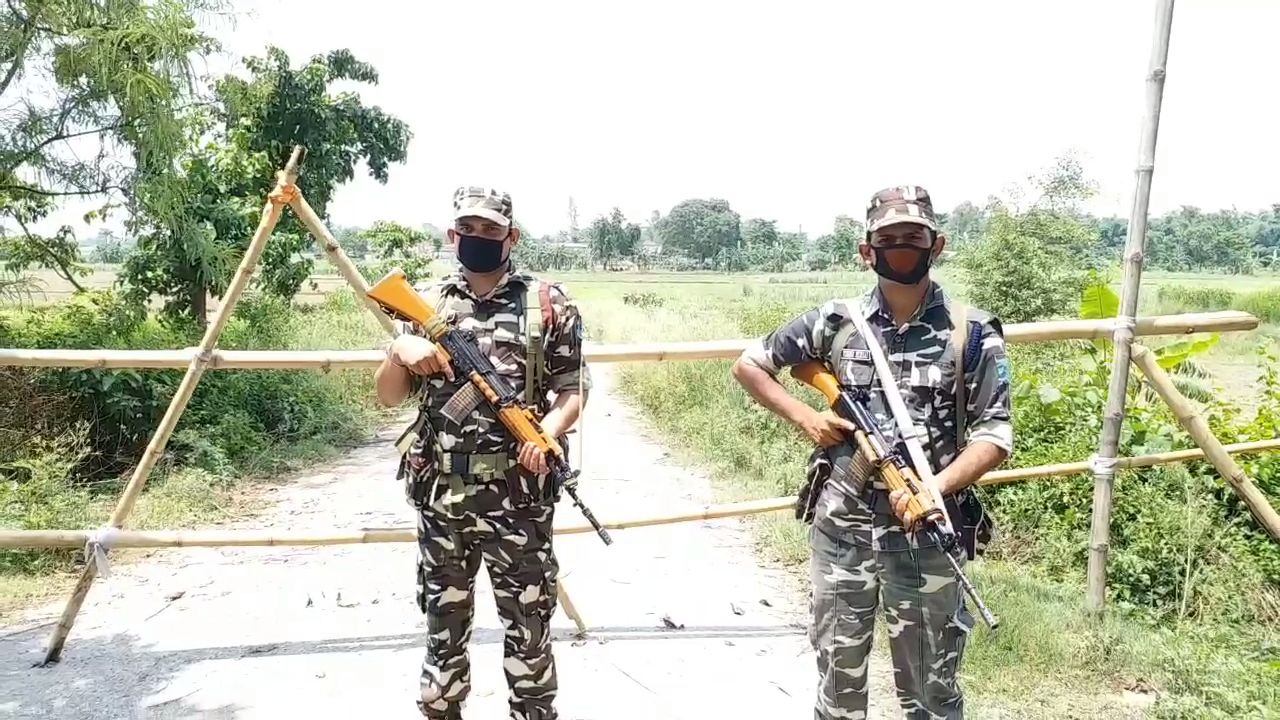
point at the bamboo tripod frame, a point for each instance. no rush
(202, 357)
(276, 200)
(284, 193)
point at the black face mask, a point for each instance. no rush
(480, 254)
(910, 266)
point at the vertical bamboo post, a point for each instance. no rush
(357, 282)
(1199, 431)
(199, 361)
(1104, 460)
(339, 258)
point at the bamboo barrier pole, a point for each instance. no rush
(339, 258)
(1199, 431)
(270, 216)
(10, 539)
(1017, 333)
(1113, 417)
(1002, 477)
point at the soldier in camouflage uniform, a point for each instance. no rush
(479, 497)
(861, 555)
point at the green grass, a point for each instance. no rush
(1050, 659)
(227, 445)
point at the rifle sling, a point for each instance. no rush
(907, 427)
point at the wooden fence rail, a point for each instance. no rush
(119, 539)
(1034, 332)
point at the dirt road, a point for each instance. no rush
(335, 633)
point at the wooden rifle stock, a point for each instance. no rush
(893, 467)
(399, 300)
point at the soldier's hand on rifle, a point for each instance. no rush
(533, 459)
(420, 356)
(826, 428)
(898, 501)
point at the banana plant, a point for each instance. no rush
(1099, 302)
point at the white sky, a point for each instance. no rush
(795, 111)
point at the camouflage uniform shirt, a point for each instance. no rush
(922, 358)
(459, 418)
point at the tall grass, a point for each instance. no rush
(65, 459)
(1192, 657)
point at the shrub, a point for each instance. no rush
(1189, 298)
(1181, 542)
(89, 426)
(644, 300)
(1263, 304)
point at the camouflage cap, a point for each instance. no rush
(902, 203)
(488, 203)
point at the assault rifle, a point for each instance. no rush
(395, 296)
(875, 453)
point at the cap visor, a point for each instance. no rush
(903, 219)
(485, 213)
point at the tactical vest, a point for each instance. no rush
(966, 351)
(537, 317)
(975, 526)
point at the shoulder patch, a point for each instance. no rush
(1002, 369)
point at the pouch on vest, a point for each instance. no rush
(417, 468)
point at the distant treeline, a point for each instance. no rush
(702, 234)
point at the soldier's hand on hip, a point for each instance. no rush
(826, 428)
(420, 356)
(533, 459)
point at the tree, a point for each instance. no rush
(758, 233)
(87, 87)
(1031, 264)
(1191, 239)
(401, 246)
(111, 251)
(188, 247)
(840, 247)
(1265, 232)
(700, 229)
(764, 247)
(963, 225)
(612, 237)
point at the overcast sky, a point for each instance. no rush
(795, 111)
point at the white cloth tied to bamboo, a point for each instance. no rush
(96, 546)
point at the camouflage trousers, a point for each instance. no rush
(862, 562)
(515, 547)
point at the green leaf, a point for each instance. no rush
(1049, 394)
(1174, 354)
(1098, 302)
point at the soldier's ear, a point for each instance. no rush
(514, 234)
(939, 244)
(864, 252)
